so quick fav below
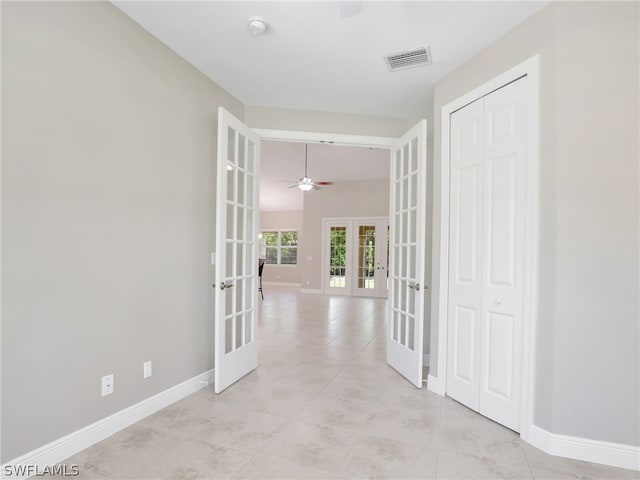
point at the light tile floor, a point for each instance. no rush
(323, 404)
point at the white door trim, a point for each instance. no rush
(318, 137)
(441, 255)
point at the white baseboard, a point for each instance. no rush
(433, 385)
(281, 284)
(596, 451)
(58, 450)
(315, 291)
(425, 360)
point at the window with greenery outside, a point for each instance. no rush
(281, 247)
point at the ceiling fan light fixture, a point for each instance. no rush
(306, 183)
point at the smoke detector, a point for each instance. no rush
(257, 25)
(408, 59)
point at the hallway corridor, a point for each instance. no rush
(323, 404)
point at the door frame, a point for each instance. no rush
(345, 139)
(320, 137)
(440, 273)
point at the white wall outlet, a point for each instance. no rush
(146, 369)
(107, 385)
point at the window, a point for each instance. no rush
(281, 247)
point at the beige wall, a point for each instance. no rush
(588, 366)
(366, 198)
(326, 122)
(283, 221)
(107, 206)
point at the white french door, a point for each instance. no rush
(236, 269)
(407, 249)
(337, 257)
(486, 254)
(370, 256)
(356, 256)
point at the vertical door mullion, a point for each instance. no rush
(234, 242)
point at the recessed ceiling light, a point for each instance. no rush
(257, 25)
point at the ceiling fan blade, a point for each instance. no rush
(323, 183)
(293, 186)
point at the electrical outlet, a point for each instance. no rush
(107, 385)
(146, 369)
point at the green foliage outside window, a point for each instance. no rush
(281, 247)
(338, 247)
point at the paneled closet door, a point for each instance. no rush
(465, 289)
(503, 258)
(486, 254)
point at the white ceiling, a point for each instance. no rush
(285, 161)
(313, 56)
(326, 56)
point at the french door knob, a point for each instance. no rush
(415, 286)
(226, 285)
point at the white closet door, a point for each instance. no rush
(465, 289)
(503, 259)
(486, 260)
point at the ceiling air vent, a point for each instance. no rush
(409, 59)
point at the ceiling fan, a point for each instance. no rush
(305, 183)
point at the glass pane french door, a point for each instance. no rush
(236, 267)
(406, 294)
(366, 258)
(371, 257)
(338, 253)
